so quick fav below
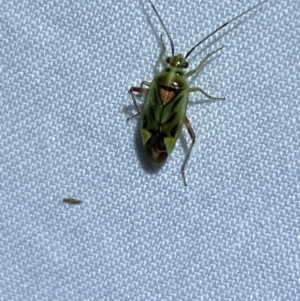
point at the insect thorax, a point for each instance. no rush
(172, 77)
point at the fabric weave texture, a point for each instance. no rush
(139, 233)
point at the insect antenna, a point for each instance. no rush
(222, 26)
(164, 27)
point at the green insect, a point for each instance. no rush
(166, 98)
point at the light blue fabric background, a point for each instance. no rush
(232, 234)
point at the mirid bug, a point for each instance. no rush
(166, 98)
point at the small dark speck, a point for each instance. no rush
(72, 201)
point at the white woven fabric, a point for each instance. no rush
(232, 234)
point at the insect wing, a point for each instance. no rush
(151, 115)
(167, 119)
(172, 118)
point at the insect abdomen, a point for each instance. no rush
(155, 148)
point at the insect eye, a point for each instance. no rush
(168, 60)
(185, 65)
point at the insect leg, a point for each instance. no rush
(199, 67)
(141, 91)
(197, 89)
(193, 137)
